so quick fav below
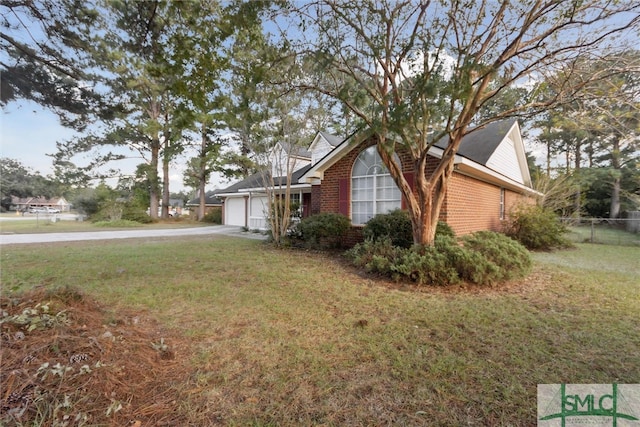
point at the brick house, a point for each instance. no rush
(491, 176)
(22, 204)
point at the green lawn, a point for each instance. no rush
(603, 234)
(45, 225)
(298, 338)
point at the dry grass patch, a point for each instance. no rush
(66, 361)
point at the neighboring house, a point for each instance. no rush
(211, 202)
(25, 203)
(491, 176)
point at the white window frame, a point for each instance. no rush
(378, 174)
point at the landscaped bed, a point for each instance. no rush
(222, 331)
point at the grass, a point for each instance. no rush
(44, 225)
(298, 338)
(604, 234)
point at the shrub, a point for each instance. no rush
(506, 259)
(214, 216)
(396, 225)
(375, 256)
(537, 228)
(136, 214)
(426, 266)
(484, 258)
(323, 230)
(444, 230)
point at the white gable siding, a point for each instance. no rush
(319, 150)
(504, 160)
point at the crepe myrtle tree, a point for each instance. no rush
(418, 72)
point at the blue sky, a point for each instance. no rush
(29, 132)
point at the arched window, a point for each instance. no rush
(373, 191)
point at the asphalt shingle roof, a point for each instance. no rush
(480, 144)
(209, 199)
(257, 181)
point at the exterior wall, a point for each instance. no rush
(316, 199)
(258, 212)
(515, 200)
(473, 205)
(470, 204)
(306, 205)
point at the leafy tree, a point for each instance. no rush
(131, 45)
(248, 101)
(19, 181)
(15, 179)
(204, 85)
(614, 119)
(291, 120)
(288, 137)
(45, 58)
(418, 73)
(603, 127)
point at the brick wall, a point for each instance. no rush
(316, 198)
(331, 182)
(470, 205)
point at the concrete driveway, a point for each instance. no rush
(8, 239)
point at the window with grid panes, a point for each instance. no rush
(373, 191)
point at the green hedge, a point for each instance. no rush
(324, 230)
(396, 226)
(483, 258)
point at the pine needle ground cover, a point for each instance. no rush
(232, 332)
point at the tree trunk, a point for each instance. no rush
(577, 197)
(202, 200)
(614, 211)
(203, 176)
(153, 179)
(424, 205)
(165, 183)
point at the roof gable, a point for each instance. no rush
(497, 146)
(480, 143)
(323, 144)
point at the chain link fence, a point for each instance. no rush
(620, 231)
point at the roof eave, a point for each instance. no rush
(317, 171)
(249, 191)
(476, 170)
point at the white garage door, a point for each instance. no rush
(234, 212)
